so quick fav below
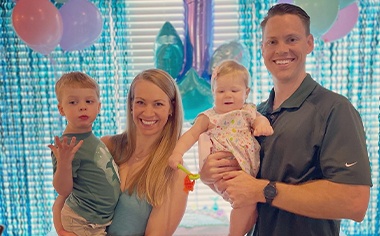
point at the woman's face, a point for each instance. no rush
(151, 108)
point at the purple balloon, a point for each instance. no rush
(346, 21)
(82, 24)
(285, 1)
(198, 34)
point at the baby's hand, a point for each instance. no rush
(263, 130)
(174, 160)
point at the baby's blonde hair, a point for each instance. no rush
(230, 66)
(75, 79)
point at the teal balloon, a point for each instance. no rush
(323, 14)
(168, 49)
(196, 94)
(230, 50)
(345, 3)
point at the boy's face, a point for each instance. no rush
(80, 106)
(229, 93)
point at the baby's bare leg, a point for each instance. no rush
(242, 220)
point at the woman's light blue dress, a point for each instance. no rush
(131, 216)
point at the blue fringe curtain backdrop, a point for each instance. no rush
(29, 118)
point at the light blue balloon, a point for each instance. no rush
(168, 49)
(323, 14)
(196, 94)
(230, 50)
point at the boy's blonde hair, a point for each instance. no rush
(75, 79)
(230, 66)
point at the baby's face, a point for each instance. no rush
(229, 93)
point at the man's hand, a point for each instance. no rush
(240, 188)
(216, 165)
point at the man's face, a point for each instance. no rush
(285, 46)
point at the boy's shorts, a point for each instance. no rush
(72, 222)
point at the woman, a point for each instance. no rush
(152, 200)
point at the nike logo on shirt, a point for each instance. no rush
(350, 164)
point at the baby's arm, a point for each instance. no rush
(187, 140)
(261, 126)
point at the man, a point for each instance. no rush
(314, 168)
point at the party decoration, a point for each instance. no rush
(323, 14)
(347, 18)
(169, 50)
(82, 24)
(196, 94)
(189, 174)
(230, 50)
(345, 3)
(285, 1)
(188, 184)
(39, 24)
(198, 34)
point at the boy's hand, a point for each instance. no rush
(63, 151)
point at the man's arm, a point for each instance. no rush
(321, 199)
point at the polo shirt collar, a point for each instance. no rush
(298, 97)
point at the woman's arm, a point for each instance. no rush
(164, 219)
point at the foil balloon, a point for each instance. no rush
(168, 49)
(346, 21)
(198, 34)
(39, 24)
(230, 50)
(82, 24)
(323, 14)
(196, 94)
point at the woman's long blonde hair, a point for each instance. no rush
(153, 180)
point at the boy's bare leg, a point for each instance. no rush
(57, 208)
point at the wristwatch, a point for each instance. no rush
(270, 192)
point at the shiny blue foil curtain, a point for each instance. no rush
(29, 118)
(349, 66)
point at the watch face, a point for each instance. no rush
(270, 191)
